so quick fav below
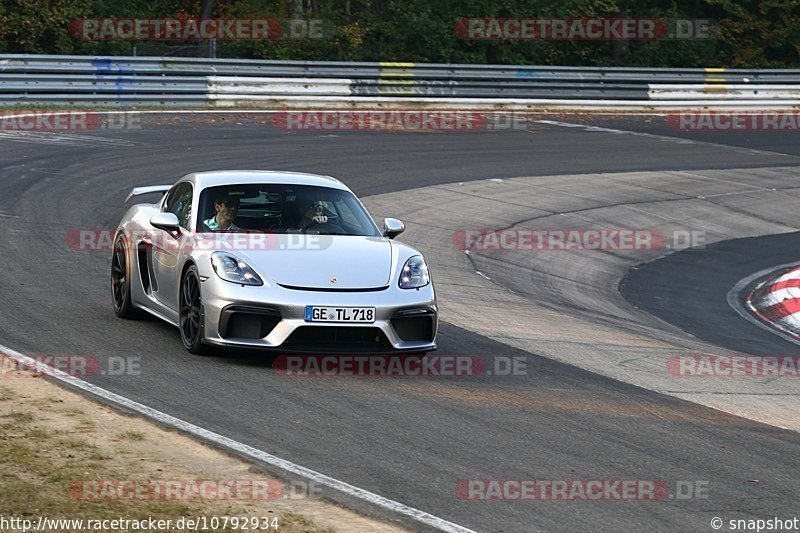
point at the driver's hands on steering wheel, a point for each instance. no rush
(316, 220)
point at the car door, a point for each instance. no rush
(167, 248)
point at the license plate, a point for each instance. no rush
(340, 314)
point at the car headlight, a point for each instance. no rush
(231, 268)
(414, 274)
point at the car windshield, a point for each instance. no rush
(283, 208)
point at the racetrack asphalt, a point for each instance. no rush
(702, 309)
(407, 439)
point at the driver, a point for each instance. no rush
(226, 208)
(311, 213)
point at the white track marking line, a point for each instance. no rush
(667, 138)
(243, 449)
(63, 138)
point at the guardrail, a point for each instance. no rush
(159, 81)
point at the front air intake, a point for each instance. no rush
(247, 322)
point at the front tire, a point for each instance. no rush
(191, 320)
(121, 281)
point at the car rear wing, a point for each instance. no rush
(138, 191)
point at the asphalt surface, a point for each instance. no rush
(407, 439)
(781, 141)
(701, 309)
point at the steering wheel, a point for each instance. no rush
(326, 228)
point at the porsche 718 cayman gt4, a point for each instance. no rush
(273, 260)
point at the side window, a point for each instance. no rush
(179, 202)
(346, 214)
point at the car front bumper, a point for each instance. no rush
(273, 318)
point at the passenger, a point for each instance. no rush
(227, 209)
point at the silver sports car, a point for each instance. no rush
(273, 260)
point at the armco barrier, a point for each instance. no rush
(160, 81)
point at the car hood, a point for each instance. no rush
(332, 262)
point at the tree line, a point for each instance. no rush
(743, 33)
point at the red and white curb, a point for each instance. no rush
(774, 303)
(777, 302)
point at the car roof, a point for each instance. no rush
(202, 180)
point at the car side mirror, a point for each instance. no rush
(392, 227)
(167, 222)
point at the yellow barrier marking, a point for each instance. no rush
(388, 82)
(716, 69)
(397, 70)
(397, 73)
